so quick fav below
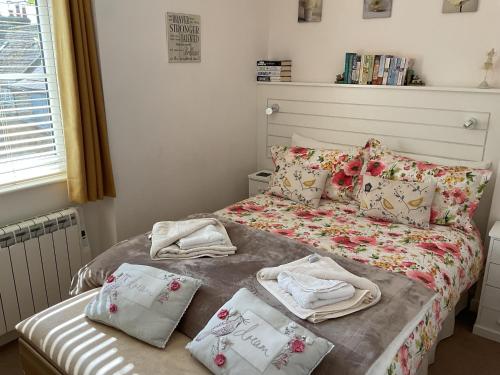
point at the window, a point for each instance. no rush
(31, 132)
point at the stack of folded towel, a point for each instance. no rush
(188, 239)
(310, 292)
(316, 288)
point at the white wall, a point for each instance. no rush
(449, 48)
(182, 136)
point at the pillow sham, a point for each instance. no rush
(458, 189)
(299, 184)
(144, 302)
(343, 166)
(246, 336)
(397, 201)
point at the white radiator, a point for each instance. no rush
(38, 257)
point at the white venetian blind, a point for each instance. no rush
(31, 132)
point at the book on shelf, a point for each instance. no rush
(376, 69)
(274, 79)
(274, 70)
(274, 63)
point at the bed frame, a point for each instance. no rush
(443, 125)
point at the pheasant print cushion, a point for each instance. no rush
(144, 302)
(299, 184)
(246, 336)
(397, 201)
(343, 167)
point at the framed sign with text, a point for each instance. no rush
(184, 37)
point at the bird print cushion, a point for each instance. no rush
(144, 302)
(343, 167)
(397, 201)
(299, 184)
(247, 336)
(458, 189)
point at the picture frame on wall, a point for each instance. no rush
(377, 9)
(310, 10)
(460, 6)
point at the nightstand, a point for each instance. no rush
(488, 317)
(258, 182)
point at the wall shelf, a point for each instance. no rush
(382, 87)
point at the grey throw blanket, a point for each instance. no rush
(359, 338)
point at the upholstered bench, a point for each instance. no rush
(61, 340)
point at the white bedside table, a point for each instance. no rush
(488, 317)
(258, 182)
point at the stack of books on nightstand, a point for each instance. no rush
(274, 70)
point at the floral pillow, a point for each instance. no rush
(344, 167)
(458, 189)
(397, 201)
(299, 184)
(144, 302)
(246, 336)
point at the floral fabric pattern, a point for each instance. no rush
(397, 201)
(299, 184)
(343, 167)
(445, 259)
(458, 189)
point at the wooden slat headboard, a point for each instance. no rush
(425, 123)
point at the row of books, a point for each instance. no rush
(376, 69)
(274, 70)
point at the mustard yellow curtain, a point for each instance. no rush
(90, 174)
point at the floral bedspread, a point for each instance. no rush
(447, 260)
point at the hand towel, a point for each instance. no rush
(366, 293)
(165, 234)
(310, 292)
(207, 236)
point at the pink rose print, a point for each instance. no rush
(305, 214)
(434, 215)
(424, 166)
(110, 279)
(364, 240)
(284, 232)
(344, 240)
(174, 285)
(425, 277)
(299, 151)
(340, 179)
(353, 168)
(375, 167)
(223, 314)
(449, 248)
(433, 248)
(472, 209)
(113, 308)
(297, 346)
(403, 359)
(220, 359)
(458, 195)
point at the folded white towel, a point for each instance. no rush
(206, 236)
(310, 292)
(366, 293)
(166, 234)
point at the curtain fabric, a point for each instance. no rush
(89, 170)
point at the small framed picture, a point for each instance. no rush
(460, 6)
(377, 9)
(310, 10)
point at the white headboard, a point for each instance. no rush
(423, 122)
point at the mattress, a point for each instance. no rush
(445, 259)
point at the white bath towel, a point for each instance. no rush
(166, 234)
(310, 292)
(366, 293)
(206, 236)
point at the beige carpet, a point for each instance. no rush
(461, 354)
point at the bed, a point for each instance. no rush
(443, 260)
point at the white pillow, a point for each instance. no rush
(301, 141)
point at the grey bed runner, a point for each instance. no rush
(360, 338)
